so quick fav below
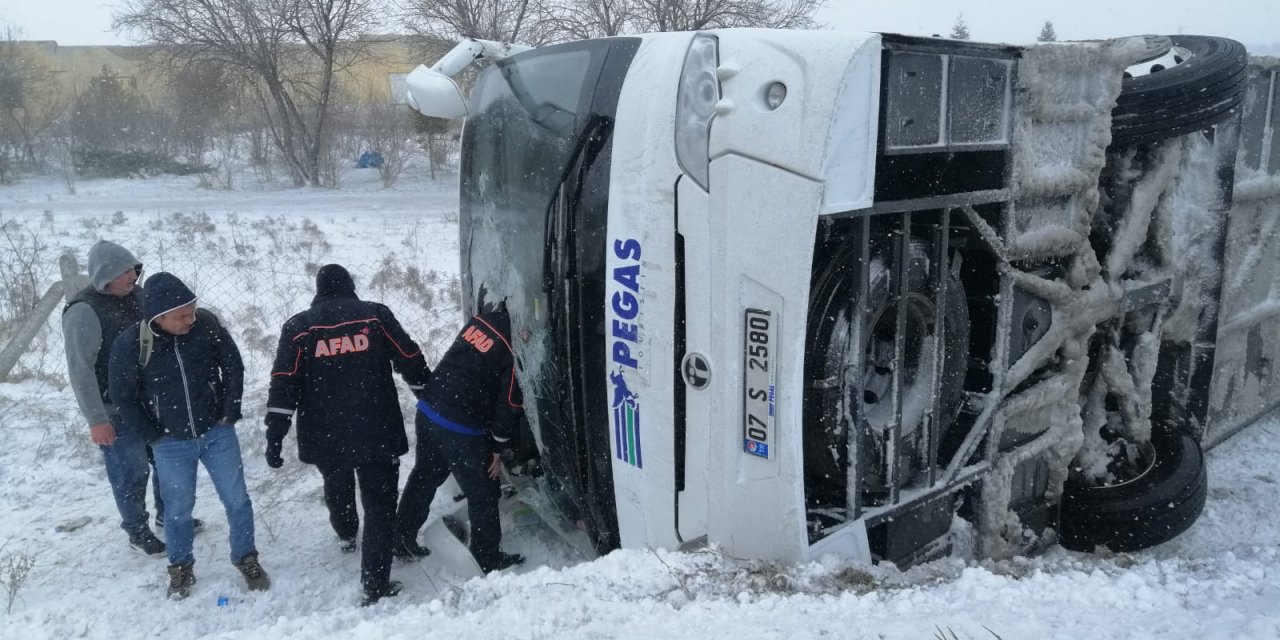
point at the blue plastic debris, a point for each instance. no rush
(369, 160)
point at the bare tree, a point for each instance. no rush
(387, 130)
(116, 131)
(583, 19)
(691, 15)
(435, 137)
(540, 21)
(960, 30)
(342, 145)
(201, 98)
(521, 21)
(1047, 33)
(293, 49)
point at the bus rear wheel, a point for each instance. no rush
(1161, 498)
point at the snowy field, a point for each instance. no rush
(247, 254)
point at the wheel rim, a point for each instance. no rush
(1133, 462)
(876, 388)
(1173, 57)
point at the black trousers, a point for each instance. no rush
(441, 452)
(340, 497)
(378, 483)
(429, 472)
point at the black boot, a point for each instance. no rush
(408, 550)
(147, 543)
(501, 561)
(372, 595)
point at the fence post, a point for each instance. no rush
(73, 280)
(29, 328)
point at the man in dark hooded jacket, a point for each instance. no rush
(469, 412)
(177, 377)
(333, 369)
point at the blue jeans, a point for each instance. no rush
(127, 471)
(219, 451)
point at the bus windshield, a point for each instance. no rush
(534, 198)
(522, 131)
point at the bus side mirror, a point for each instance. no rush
(434, 94)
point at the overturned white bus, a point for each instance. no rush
(796, 293)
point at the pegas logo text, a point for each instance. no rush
(623, 347)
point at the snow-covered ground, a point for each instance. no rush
(248, 253)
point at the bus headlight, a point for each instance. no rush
(696, 106)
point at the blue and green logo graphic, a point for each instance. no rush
(626, 421)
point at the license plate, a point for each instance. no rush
(759, 337)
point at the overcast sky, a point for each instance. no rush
(1254, 22)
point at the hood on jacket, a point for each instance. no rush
(107, 261)
(333, 281)
(163, 293)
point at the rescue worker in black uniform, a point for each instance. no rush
(333, 368)
(467, 415)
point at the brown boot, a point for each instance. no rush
(254, 575)
(181, 578)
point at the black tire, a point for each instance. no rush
(1150, 509)
(1194, 95)
(833, 302)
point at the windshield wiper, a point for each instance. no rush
(545, 114)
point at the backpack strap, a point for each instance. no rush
(146, 342)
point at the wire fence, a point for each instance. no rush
(254, 283)
(254, 271)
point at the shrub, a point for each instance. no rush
(107, 163)
(15, 568)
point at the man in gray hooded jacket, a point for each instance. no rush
(90, 323)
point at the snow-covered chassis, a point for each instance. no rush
(797, 293)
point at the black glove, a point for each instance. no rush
(277, 428)
(274, 459)
(277, 425)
